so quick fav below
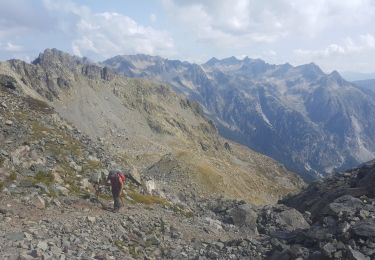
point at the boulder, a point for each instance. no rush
(8, 82)
(345, 204)
(244, 216)
(150, 186)
(364, 228)
(135, 175)
(292, 220)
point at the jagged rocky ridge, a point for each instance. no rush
(314, 123)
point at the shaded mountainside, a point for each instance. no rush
(138, 122)
(314, 123)
(367, 85)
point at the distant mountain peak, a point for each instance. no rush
(310, 67)
(226, 61)
(310, 71)
(335, 76)
(230, 60)
(246, 58)
(212, 61)
(54, 56)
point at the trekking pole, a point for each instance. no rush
(97, 194)
(121, 198)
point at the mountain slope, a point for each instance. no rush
(138, 122)
(367, 85)
(312, 122)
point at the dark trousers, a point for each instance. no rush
(116, 198)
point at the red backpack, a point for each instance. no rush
(117, 178)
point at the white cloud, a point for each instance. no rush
(11, 47)
(228, 23)
(350, 53)
(298, 31)
(365, 43)
(109, 34)
(106, 34)
(244, 22)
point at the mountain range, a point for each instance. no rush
(143, 125)
(314, 123)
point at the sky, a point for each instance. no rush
(335, 34)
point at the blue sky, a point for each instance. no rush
(335, 34)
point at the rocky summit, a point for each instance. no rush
(314, 123)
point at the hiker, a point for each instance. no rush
(117, 180)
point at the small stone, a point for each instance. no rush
(62, 190)
(343, 227)
(42, 245)
(9, 122)
(338, 254)
(25, 256)
(28, 236)
(39, 202)
(153, 240)
(329, 248)
(91, 220)
(219, 245)
(43, 187)
(364, 214)
(356, 255)
(85, 183)
(56, 202)
(36, 253)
